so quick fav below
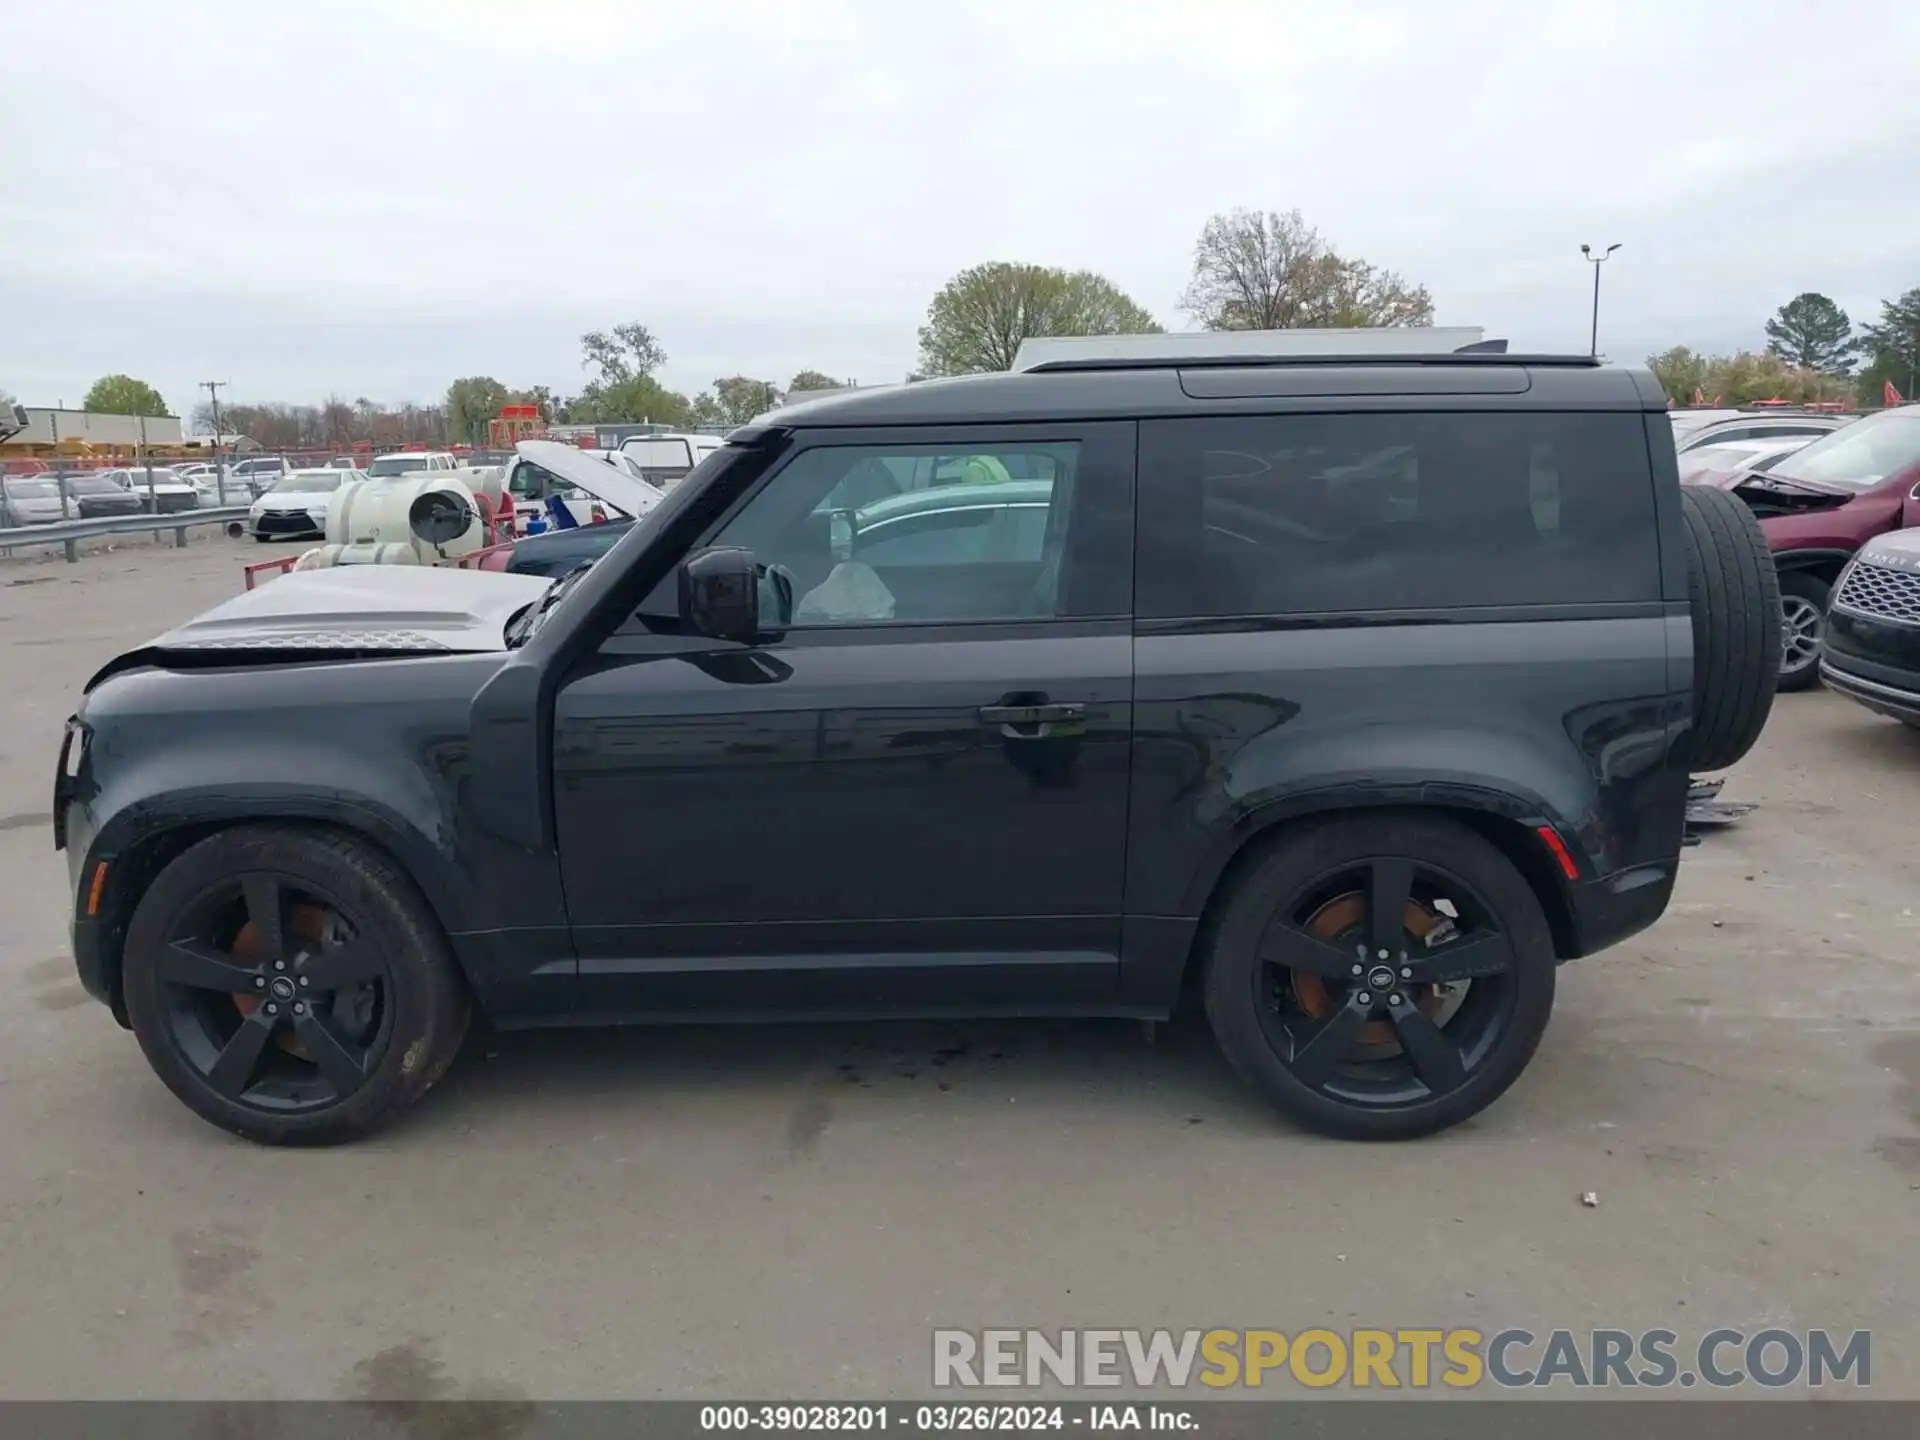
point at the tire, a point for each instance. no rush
(389, 1025)
(1264, 1013)
(1803, 628)
(1734, 595)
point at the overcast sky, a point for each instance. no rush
(374, 196)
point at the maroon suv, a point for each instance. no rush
(1820, 505)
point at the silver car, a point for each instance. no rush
(1802, 425)
(33, 500)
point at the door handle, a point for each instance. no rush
(1032, 722)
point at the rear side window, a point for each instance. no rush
(1312, 514)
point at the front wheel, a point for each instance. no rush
(1803, 627)
(291, 985)
(1381, 977)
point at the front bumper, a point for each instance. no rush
(74, 832)
(1873, 660)
(285, 522)
(1898, 702)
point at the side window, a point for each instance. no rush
(916, 534)
(1314, 514)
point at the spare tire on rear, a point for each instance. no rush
(1735, 596)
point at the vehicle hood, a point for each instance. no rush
(361, 609)
(1898, 550)
(595, 476)
(1771, 494)
(295, 500)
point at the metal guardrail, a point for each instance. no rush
(69, 533)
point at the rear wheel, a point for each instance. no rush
(1381, 977)
(1803, 627)
(291, 985)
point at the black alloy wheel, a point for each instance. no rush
(1381, 977)
(273, 997)
(1378, 986)
(291, 984)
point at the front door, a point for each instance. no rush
(911, 800)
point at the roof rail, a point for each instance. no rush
(1223, 362)
(1371, 342)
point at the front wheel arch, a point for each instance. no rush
(133, 871)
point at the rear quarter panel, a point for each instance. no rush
(1567, 723)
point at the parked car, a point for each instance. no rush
(96, 496)
(297, 505)
(216, 484)
(33, 500)
(1871, 653)
(1686, 421)
(409, 462)
(667, 459)
(1732, 457)
(1320, 709)
(259, 473)
(577, 478)
(1820, 505)
(1772, 423)
(160, 491)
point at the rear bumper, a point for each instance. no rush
(1605, 912)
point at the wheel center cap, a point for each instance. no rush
(1378, 978)
(281, 988)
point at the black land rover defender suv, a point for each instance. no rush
(1354, 694)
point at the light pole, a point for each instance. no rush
(1593, 342)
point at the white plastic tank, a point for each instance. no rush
(374, 513)
(323, 557)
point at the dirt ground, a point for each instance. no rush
(789, 1212)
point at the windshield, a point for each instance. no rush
(295, 484)
(92, 485)
(31, 490)
(397, 464)
(1859, 456)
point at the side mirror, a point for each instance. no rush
(439, 517)
(720, 594)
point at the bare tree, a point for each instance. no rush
(1263, 270)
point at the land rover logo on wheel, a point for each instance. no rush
(282, 988)
(1380, 978)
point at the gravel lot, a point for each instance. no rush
(788, 1212)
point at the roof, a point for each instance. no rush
(1141, 391)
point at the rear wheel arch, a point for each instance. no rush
(1515, 839)
(1367, 1047)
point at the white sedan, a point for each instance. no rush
(297, 505)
